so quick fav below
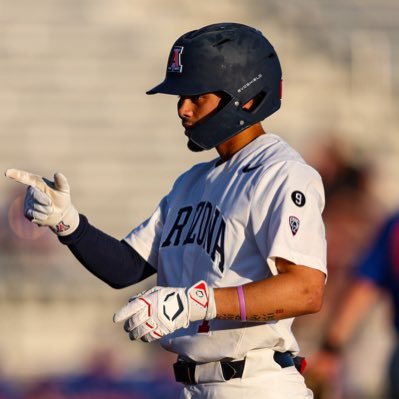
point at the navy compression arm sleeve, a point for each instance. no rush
(109, 259)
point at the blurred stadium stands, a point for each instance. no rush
(73, 76)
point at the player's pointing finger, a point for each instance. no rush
(122, 314)
(127, 311)
(26, 178)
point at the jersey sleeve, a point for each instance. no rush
(287, 216)
(146, 237)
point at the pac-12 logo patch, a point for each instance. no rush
(175, 64)
(294, 224)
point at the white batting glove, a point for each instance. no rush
(159, 311)
(48, 203)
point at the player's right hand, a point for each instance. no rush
(48, 203)
(160, 311)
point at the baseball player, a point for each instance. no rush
(238, 243)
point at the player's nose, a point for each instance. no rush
(184, 108)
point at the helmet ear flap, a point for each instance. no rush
(224, 100)
(194, 147)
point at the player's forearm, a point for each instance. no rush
(279, 297)
(109, 259)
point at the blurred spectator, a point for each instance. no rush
(8, 390)
(103, 379)
(43, 389)
(352, 211)
(98, 379)
(352, 215)
(377, 273)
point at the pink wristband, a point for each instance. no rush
(241, 301)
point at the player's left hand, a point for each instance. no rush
(161, 310)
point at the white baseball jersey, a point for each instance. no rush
(226, 223)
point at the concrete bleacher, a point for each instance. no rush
(73, 76)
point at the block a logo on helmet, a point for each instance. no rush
(233, 59)
(175, 64)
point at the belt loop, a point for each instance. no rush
(232, 369)
(184, 372)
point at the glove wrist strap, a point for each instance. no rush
(202, 302)
(68, 224)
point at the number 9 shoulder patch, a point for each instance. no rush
(298, 198)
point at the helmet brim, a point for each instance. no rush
(164, 88)
(181, 88)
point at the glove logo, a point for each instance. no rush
(61, 226)
(199, 294)
(172, 306)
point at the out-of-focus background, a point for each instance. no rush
(73, 76)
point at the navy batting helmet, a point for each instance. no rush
(231, 58)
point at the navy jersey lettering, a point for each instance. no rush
(204, 227)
